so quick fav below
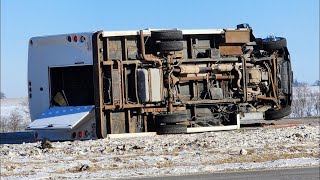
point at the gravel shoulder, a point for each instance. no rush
(244, 149)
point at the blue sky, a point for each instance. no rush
(296, 20)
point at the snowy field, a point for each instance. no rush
(257, 148)
(244, 149)
(11, 104)
(14, 114)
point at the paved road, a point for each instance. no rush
(281, 174)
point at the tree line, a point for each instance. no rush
(18, 119)
(306, 99)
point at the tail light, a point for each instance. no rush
(75, 38)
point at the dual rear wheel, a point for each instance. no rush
(167, 40)
(273, 43)
(169, 123)
(174, 123)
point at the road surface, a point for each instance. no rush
(281, 174)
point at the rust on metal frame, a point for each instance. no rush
(192, 84)
(107, 63)
(237, 36)
(230, 50)
(101, 124)
(143, 51)
(197, 78)
(212, 101)
(245, 78)
(161, 109)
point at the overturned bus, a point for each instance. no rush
(89, 85)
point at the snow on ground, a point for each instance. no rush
(13, 110)
(258, 148)
(11, 104)
(14, 104)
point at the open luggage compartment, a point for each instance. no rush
(74, 83)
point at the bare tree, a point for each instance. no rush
(3, 124)
(295, 108)
(18, 119)
(301, 105)
(15, 120)
(24, 106)
(2, 95)
(309, 106)
(300, 100)
(316, 100)
(306, 101)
